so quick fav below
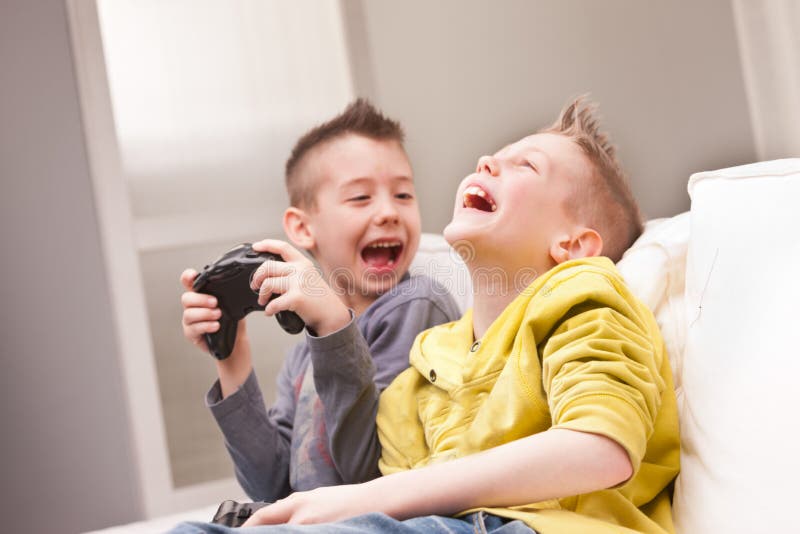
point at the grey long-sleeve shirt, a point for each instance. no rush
(321, 430)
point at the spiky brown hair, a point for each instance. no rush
(603, 200)
(360, 117)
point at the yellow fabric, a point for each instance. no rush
(574, 350)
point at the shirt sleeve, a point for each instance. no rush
(258, 441)
(351, 369)
(600, 371)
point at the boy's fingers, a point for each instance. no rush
(282, 248)
(205, 327)
(270, 268)
(196, 315)
(278, 285)
(274, 514)
(187, 278)
(285, 302)
(190, 299)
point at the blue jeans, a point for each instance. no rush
(477, 523)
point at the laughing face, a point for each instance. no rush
(513, 206)
(366, 222)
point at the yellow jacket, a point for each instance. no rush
(574, 350)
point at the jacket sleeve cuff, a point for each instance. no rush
(337, 354)
(334, 340)
(610, 416)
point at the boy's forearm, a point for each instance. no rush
(261, 454)
(344, 379)
(234, 370)
(553, 464)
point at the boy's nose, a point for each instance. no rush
(386, 213)
(489, 165)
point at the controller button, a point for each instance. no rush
(252, 254)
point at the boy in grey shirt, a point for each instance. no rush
(353, 208)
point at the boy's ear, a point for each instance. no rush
(297, 228)
(585, 244)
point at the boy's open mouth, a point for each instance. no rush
(382, 254)
(477, 198)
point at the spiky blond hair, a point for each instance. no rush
(603, 200)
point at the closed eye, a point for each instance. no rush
(531, 166)
(359, 198)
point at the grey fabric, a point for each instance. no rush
(321, 430)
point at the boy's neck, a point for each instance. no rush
(487, 308)
(491, 295)
(494, 287)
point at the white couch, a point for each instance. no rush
(720, 281)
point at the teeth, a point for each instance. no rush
(385, 245)
(474, 190)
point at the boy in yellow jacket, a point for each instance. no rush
(549, 406)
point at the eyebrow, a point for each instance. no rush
(362, 179)
(523, 153)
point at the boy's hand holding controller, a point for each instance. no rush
(300, 288)
(201, 316)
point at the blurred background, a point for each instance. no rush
(140, 137)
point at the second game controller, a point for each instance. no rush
(234, 514)
(228, 279)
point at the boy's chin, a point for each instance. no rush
(462, 239)
(452, 232)
(376, 282)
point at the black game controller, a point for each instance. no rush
(234, 514)
(228, 279)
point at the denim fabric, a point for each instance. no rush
(477, 523)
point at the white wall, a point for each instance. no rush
(466, 77)
(208, 98)
(770, 46)
(66, 458)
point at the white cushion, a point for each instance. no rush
(741, 396)
(654, 268)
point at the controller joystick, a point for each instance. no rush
(228, 279)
